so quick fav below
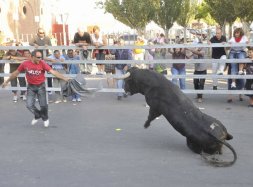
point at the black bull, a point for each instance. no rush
(204, 134)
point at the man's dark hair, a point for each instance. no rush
(35, 51)
(56, 51)
(27, 50)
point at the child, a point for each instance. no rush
(249, 71)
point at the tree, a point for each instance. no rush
(135, 14)
(202, 12)
(244, 9)
(222, 12)
(186, 14)
(167, 13)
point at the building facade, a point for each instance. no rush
(20, 19)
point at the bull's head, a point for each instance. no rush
(131, 85)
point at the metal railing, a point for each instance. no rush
(160, 61)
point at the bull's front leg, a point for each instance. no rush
(152, 115)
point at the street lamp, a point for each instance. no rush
(64, 21)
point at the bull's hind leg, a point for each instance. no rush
(152, 115)
(196, 148)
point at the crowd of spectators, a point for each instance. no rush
(83, 39)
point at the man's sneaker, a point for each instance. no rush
(57, 101)
(46, 123)
(24, 97)
(220, 73)
(34, 121)
(99, 73)
(79, 100)
(199, 100)
(241, 72)
(73, 100)
(65, 100)
(15, 98)
(233, 86)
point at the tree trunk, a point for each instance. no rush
(230, 30)
(185, 39)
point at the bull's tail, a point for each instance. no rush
(215, 162)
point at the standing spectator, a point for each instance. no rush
(2, 65)
(200, 69)
(139, 53)
(99, 40)
(1, 57)
(83, 39)
(178, 68)
(237, 53)
(27, 56)
(218, 53)
(149, 55)
(73, 69)
(163, 41)
(249, 71)
(16, 57)
(56, 59)
(40, 39)
(35, 74)
(157, 39)
(120, 69)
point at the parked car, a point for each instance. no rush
(203, 33)
(129, 38)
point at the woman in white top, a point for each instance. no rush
(99, 40)
(237, 53)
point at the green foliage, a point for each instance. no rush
(222, 11)
(135, 14)
(167, 13)
(202, 12)
(188, 10)
(244, 9)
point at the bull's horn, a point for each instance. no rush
(123, 76)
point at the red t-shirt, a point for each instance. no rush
(35, 73)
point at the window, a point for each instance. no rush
(24, 10)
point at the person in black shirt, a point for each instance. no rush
(218, 53)
(83, 39)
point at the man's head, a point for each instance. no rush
(26, 53)
(41, 33)
(81, 30)
(70, 53)
(218, 33)
(57, 54)
(12, 52)
(36, 56)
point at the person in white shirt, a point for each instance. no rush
(99, 40)
(237, 53)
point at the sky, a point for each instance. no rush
(84, 13)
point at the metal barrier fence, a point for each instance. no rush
(162, 61)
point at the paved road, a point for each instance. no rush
(101, 142)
